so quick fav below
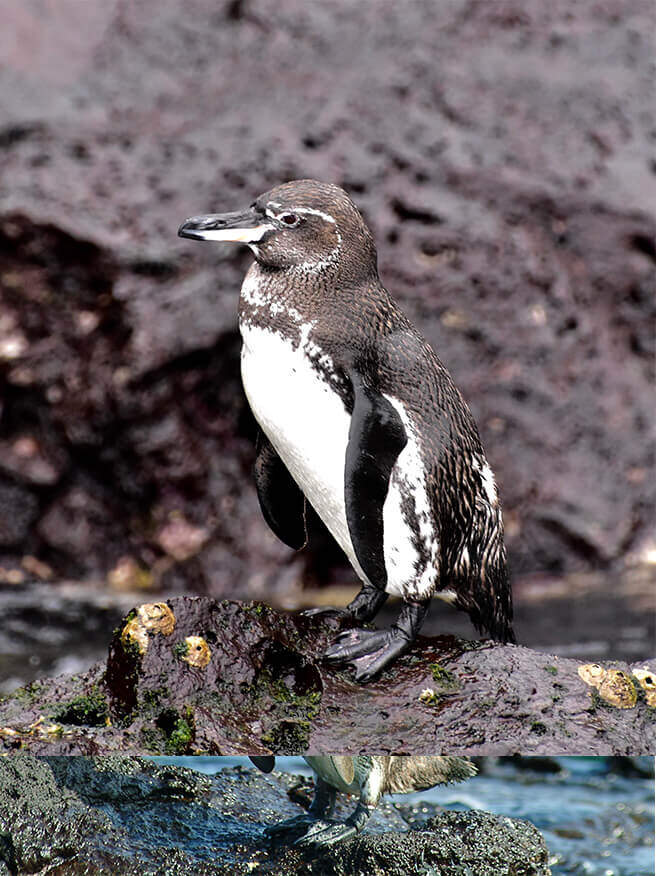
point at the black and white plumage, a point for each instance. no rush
(361, 419)
(367, 776)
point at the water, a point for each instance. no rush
(596, 821)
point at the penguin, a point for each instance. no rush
(360, 418)
(368, 776)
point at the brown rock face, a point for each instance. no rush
(501, 158)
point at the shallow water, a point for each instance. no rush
(596, 822)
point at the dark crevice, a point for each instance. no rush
(644, 244)
(409, 213)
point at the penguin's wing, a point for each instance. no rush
(281, 500)
(266, 764)
(344, 768)
(376, 437)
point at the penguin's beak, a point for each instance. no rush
(245, 227)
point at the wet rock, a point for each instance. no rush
(58, 812)
(128, 815)
(449, 842)
(192, 675)
(515, 222)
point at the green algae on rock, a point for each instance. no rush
(89, 709)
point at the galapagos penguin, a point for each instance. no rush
(368, 776)
(361, 419)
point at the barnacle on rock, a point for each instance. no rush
(647, 681)
(198, 652)
(151, 618)
(613, 685)
(8, 731)
(618, 689)
(592, 673)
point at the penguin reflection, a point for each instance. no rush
(367, 776)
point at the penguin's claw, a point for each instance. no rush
(368, 651)
(300, 824)
(325, 833)
(328, 611)
(353, 643)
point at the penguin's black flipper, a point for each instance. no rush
(281, 499)
(376, 437)
(266, 764)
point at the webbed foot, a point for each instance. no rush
(291, 828)
(367, 651)
(370, 651)
(326, 833)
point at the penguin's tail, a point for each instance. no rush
(490, 606)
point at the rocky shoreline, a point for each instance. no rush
(102, 815)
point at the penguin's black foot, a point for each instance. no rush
(364, 607)
(328, 611)
(326, 833)
(368, 651)
(291, 828)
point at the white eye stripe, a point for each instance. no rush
(309, 210)
(314, 212)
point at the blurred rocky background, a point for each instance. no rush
(503, 154)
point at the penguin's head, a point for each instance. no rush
(303, 225)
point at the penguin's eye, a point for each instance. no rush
(290, 219)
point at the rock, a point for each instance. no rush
(196, 676)
(57, 812)
(129, 815)
(514, 215)
(71, 522)
(19, 508)
(26, 460)
(450, 842)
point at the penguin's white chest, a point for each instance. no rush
(303, 417)
(306, 421)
